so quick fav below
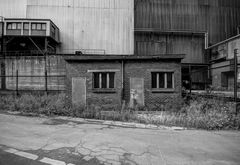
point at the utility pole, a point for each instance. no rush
(236, 79)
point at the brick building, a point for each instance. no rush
(109, 80)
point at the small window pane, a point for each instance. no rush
(169, 80)
(26, 26)
(96, 80)
(44, 26)
(104, 80)
(9, 26)
(39, 26)
(14, 26)
(33, 26)
(19, 25)
(161, 80)
(111, 80)
(154, 80)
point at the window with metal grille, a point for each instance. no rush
(162, 80)
(103, 80)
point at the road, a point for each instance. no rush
(40, 141)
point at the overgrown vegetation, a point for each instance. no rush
(198, 112)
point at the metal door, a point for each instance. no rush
(136, 92)
(79, 91)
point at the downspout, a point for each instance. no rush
(122, 85)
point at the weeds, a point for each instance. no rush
(201, 113)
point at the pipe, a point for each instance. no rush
(122, 77)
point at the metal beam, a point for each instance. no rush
(36, 45)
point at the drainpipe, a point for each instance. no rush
(122, 85)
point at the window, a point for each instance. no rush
(26, 26)
(162, 80)
(14, 26)
(9, 26)
(43, 26)
(53, 31)
(38, 26)
(103, 80)
(34, 26)
(19, 26)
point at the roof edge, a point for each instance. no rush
(123, 57)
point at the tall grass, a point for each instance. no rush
(201, 113)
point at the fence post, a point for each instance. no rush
(236, 80)
(190, 80)
(46, 82)
(17, 81)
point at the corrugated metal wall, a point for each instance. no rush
(155, 44)
(105, 25)
(219, 17)
(13, 8)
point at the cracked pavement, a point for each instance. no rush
(83, 143)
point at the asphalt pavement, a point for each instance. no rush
(39, 141)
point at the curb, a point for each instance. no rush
(120, 124)
(110, 122)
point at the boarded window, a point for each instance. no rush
(103, 80)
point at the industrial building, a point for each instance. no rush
(37, 36)
(222, 63)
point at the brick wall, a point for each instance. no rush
(133, 69)
(106, 100)
(143, 70)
